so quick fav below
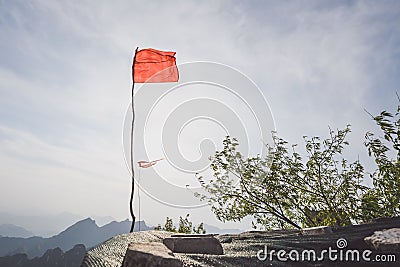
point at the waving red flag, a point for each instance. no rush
(146, 164)
(158, 65)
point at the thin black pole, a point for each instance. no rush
(132, 165)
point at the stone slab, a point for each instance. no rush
(194, 235)
(149, 254)
(194, 245)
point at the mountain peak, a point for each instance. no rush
(87, 224)
(87, 220)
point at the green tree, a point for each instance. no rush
(200, 229)
(383, 200)
(284, 190)
(168, 226)
(185, 226)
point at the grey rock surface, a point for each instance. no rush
(241, 249)
(386, 240)
(111, 253)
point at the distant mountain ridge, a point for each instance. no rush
(11, 230)
(54, 223)
(215, 230)
(85, 232)
(51, 258)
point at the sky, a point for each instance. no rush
(65, 91)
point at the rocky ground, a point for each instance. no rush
(242, 249)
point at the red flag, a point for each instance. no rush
(160, 66)
(146, 164)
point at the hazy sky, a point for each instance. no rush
(65, 77)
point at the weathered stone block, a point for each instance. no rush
(149, 254)
(319, 230)
(385, 241)
(194, 244)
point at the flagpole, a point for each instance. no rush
(138, 196)
(132, 165)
